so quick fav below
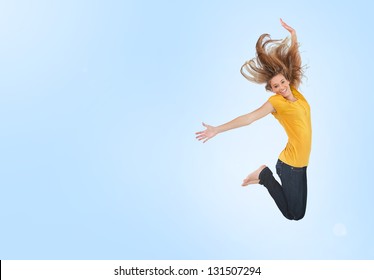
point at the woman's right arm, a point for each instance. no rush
(243, 120)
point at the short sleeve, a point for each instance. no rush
(274, 100)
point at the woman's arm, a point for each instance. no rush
(243, 120)
(291, 30)
(294, 45)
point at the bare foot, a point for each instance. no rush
(253, 177)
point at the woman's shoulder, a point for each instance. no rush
(276, 101)
(297, 93)
(275, 98)
(294, 90)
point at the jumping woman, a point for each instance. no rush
(278, 65)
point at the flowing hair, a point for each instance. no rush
(274, 57)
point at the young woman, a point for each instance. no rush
(278, 65)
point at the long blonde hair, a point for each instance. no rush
(274, 57)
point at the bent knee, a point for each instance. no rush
(294, 217)
(301, 216)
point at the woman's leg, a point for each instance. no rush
(294, 184)
(275, 190)
(253, 178)
(291, 196)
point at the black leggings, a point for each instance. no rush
(291, 196)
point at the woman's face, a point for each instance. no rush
(280, 85)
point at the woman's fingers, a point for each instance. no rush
(205, 134)
(286, 26)
(283, 23)
(200, 135)
(203, 137)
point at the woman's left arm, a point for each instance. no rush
(294, 45)
(291, 30)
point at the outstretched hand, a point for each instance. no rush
(208, 133)
(289, 28)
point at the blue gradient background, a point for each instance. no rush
(99, 104)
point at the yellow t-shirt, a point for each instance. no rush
(295, 118)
